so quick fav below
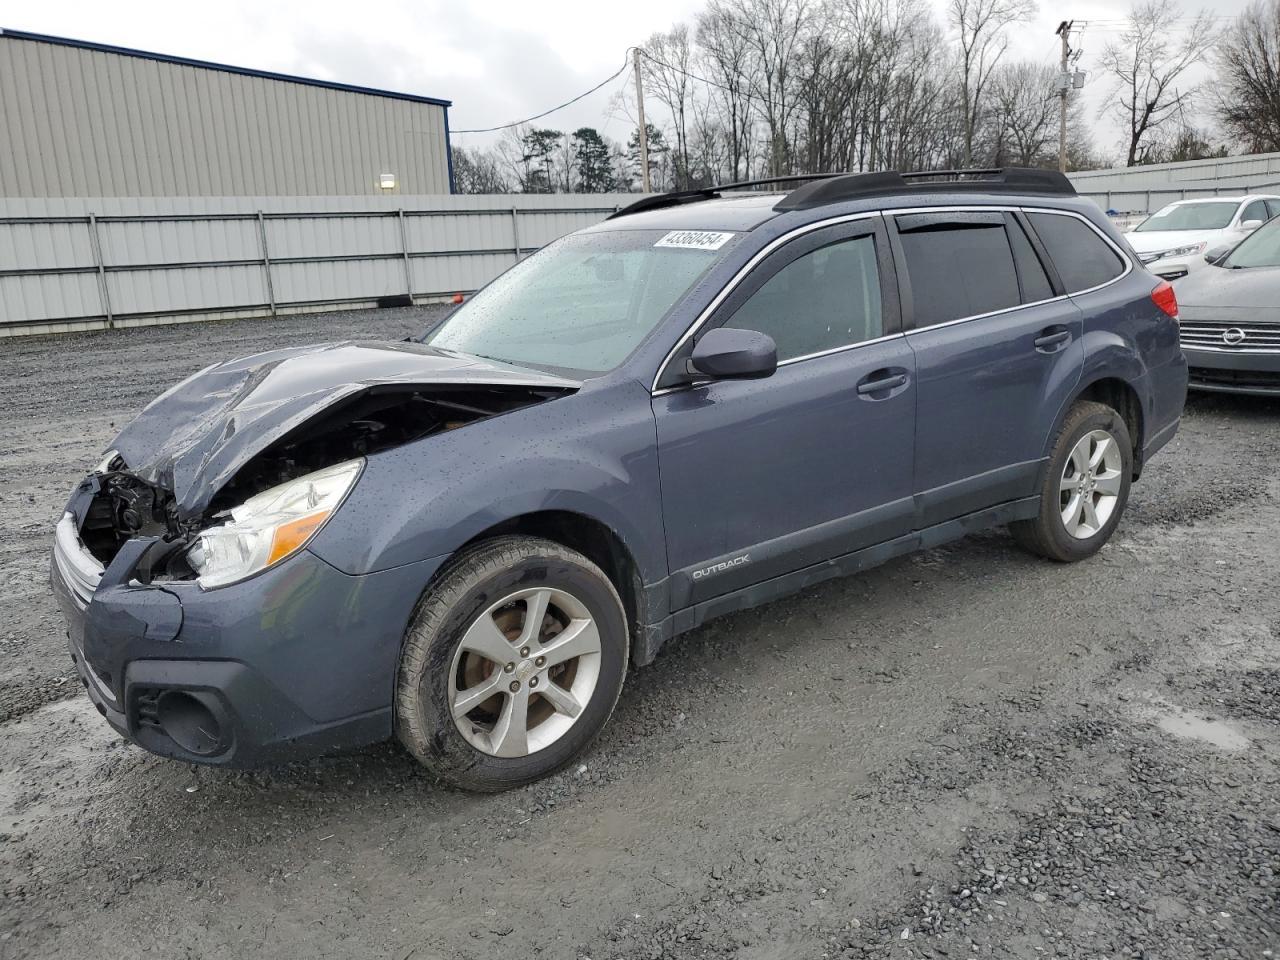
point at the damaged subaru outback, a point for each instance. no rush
(712, 399)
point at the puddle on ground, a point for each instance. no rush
(1198, 728)
(1192, 726)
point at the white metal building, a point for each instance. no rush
(84, 119)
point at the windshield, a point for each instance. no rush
(1260, 249)
(583, 303)
(1190, 216)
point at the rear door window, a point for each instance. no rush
(1084, 260)
(959, 264)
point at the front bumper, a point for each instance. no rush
(1234, 371)
(297, 661)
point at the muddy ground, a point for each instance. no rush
(965, 753)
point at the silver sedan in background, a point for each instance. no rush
(1230, 315)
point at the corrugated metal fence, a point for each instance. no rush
(1149, 200)
(1148, 188)
(89, 264)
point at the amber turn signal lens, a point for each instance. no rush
(292, 535)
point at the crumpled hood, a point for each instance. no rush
(194, 437)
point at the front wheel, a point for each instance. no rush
(1086, 486)
(512, 664)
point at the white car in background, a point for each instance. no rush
(1173, 241)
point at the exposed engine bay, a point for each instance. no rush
(126, 506)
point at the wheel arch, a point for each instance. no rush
(596, 541)
(1120, 395)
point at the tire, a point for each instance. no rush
(481, 601)
(1049, 534)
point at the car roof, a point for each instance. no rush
(1240, 199)
(745, 205)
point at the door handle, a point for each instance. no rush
(1051, 341)
(881, 383)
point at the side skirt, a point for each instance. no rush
(753, 596)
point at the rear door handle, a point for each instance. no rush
(1051, 340)
(882, 383)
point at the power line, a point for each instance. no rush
(693, 76)
(568, 103)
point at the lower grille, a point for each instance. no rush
(1268, 380)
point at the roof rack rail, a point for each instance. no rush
(855, 186)
(820, 189)
(660, 200)
(677, 197)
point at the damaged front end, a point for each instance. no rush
(223, 478)
(278, 500)
(236, 468)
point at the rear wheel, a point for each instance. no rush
(1086, 486)
(512, 664)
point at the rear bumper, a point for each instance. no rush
(295, 662)
(1165, 389)
(1234, 371)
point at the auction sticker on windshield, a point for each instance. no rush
(694, 239)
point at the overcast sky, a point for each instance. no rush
(497, 60)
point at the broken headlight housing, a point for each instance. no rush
(270, 526)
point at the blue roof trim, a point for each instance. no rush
(225, 68)
(448, 149)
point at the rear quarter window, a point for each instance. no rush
(1084, 260)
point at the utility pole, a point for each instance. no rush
(1064, 87)
(644, 131)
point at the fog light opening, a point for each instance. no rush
(189, 723)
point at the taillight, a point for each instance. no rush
(1164, 298)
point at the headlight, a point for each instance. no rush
(270, 526)
(1188, 251)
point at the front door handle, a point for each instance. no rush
(1052, 339)
(882, 381)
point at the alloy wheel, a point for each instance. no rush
(524, 671)
(1091, 482)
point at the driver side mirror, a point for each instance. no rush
(1250, 225)
(726, 353)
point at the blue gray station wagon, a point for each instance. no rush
(712, 399)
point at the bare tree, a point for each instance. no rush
(1146, 64)
(982, 29)
(668, 62)
(772, 31)
(725, 61)
(1248, 69)
(1024, 113)
(478, 170)
(802, 86)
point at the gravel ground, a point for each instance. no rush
(965, 753)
